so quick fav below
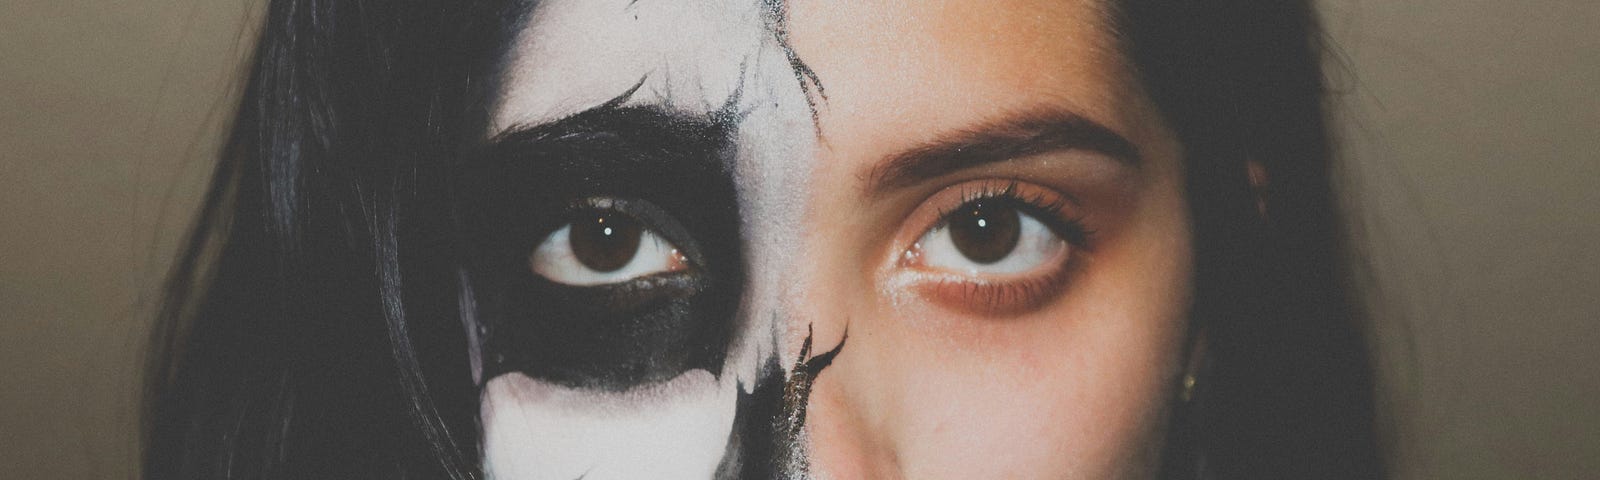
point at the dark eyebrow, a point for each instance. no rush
(631, 152)
(1011, 137)
(612, 140)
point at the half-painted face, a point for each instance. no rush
(823, 239)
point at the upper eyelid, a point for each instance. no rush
(1070, 229)
(656, 219)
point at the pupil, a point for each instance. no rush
(985, 232)
(605, 241)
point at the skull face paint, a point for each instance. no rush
(688, 122)
(751, 239)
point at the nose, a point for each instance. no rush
(819, 429)
(833, 438)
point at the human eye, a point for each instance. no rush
(605, 293)
(603, 244)
(602, 251)
(994, 247)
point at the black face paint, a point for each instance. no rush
(776, 16)
(666, 173)
(765, 443)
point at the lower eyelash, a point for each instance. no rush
(1000, 298)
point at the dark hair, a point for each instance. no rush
(1287, 389)
(311, 330)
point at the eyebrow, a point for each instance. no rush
(636, 152)
(1008, 138)
(611, 139)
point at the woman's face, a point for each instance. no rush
(843, 239)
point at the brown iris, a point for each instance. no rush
(985, 231)
(605, 241)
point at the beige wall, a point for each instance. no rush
(1470, 125)
(108, 120)
(1473, 133)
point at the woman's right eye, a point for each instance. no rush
(991, 237)
(602, 247)
(1002, 247)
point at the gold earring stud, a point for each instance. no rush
(1260, 185)
(1187, 393)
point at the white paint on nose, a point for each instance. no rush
(536, 430)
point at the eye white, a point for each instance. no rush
(554, 259)
(1036, 245)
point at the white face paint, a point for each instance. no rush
(692, 57)
(668, 430)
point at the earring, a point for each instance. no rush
(1260, 184)
(1187, 393)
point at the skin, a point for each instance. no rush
(1074, 389)
(1074, 384)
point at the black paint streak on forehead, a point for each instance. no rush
(615, 103)
(776, 17)
(529, 182)
(730, 114)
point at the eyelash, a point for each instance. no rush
(1002, 296)
(651, 217)
(1049, 211)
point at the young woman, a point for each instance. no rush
(767, 239)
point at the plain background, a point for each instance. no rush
(1470, 128)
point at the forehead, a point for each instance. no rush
(891, 61)
(907, 70)
(686, 55)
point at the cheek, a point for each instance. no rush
(1078, 389)
(1080, 393)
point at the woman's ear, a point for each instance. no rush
(1259, 183)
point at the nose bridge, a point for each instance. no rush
(775, 166)
(797, 314)
(802, 295)
(774, 158)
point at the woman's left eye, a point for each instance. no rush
(991, 236)
(604, 247)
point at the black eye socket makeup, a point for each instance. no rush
(656, 177)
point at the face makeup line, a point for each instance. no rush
(625, 395)
(677, 374)
(627, 335)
